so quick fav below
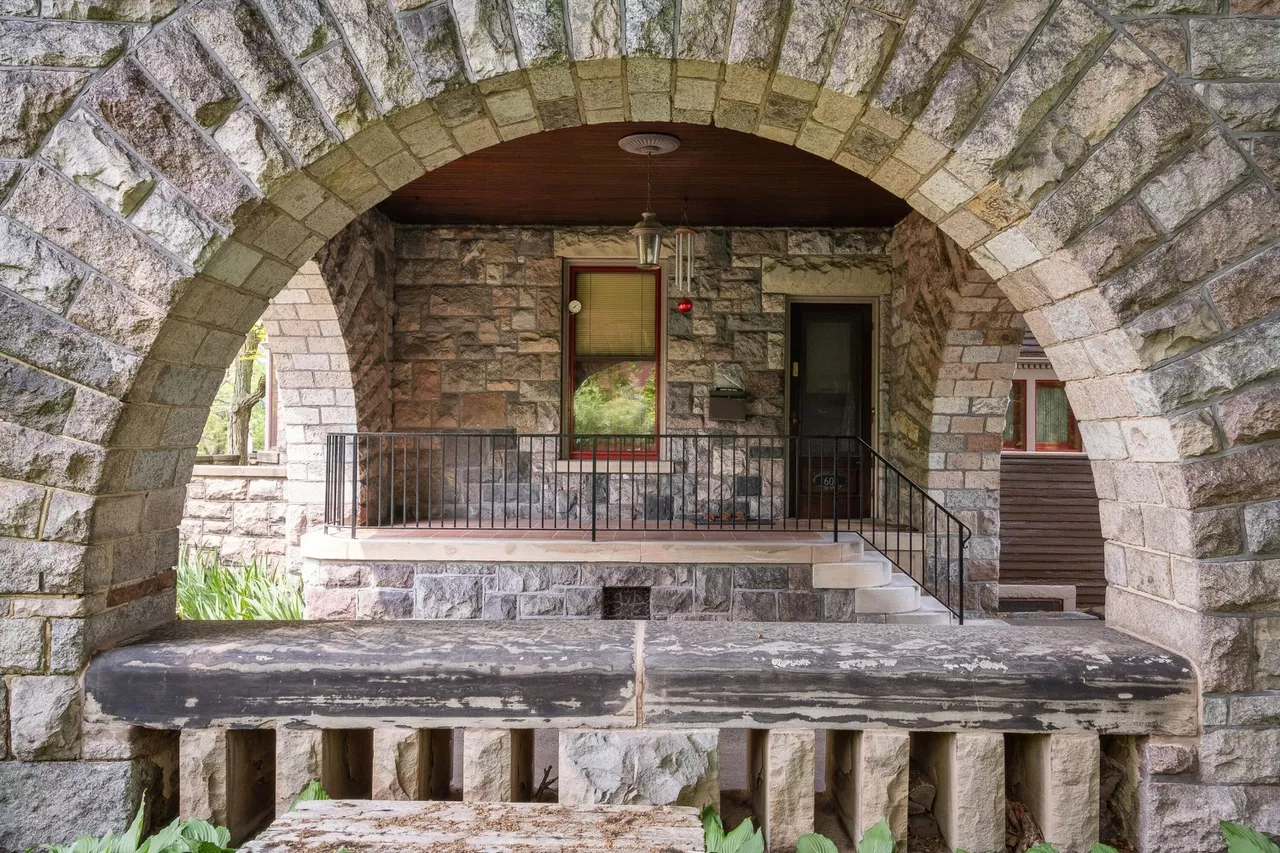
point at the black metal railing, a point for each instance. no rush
(670, 482)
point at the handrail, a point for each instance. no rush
(462, 480)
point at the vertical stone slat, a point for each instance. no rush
(202, 775)
(298, 762)
(412, 764)
(867, 776)
(1057, 777)
(497, 765)
(968, 770)
(780, 776)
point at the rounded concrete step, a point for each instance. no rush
(931, 612)
(852, 574)
(901, 595)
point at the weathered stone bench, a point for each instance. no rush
(400, 827)
(372, 709)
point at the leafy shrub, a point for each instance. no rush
(209, 588)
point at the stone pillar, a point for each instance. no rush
(202, 775)
(780, 776)
(412, 764)
(1057, 777)
(968, 769)
(867, 775)
(298, 761)
(640, 767)
(497, 765)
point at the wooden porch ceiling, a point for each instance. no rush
(579, 176)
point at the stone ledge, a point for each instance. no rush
(583, 674)
(248, 472)
(405, 546)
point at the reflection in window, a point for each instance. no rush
(1055, 425)
(1015, 418)
(614, 360)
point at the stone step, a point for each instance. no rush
(900, 595)
(852, 574)
(931, 612)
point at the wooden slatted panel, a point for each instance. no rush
(1049, 527)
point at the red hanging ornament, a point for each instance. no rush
(684, 306)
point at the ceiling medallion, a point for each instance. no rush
(649, 143)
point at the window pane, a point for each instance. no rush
(614, 397)
(618, 316)
(1053, 418)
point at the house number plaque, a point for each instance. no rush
(830, 481)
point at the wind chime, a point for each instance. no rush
(684, 262)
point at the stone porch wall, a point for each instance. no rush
(529, 590)
(238, 509)
(478, 319)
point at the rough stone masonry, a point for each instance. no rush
(166, 168)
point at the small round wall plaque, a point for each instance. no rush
(575, 306)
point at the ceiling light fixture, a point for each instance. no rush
(649, 231)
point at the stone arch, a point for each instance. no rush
(960, 337)
(1110, 184)
(329, 333)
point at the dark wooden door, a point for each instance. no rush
(829, 405)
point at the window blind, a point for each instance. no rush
(618, 316)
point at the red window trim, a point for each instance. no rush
(1018, 395)
(570, 345)
(1072, 444)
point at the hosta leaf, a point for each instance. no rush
(1242, 839)
(878, 839)
(1102, 848)
(744, 838)
(712, 830)
(167, 840)
(312, 791)
(813, 842)
(208, 847)
(1042, 848)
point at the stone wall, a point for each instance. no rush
(478, 320)
(529, 590)
(955, 340)
(239, 510)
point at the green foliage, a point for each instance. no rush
(192, 836)
(312, 791)
(878, 839)
(813, 842)
(209, 588)
(744, 839)
(1242, 839)
(620, 399)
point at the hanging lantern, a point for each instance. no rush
(648, 233)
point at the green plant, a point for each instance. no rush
(1242, 839)
(813, 842)
(209, 588)
(744, 839)
(878, 839)
(312, 791)
(190, 836)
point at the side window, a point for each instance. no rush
(1055, 424)
(1015, 419)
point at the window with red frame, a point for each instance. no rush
(613, 361)
(1015, 419)
(1056, 427)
